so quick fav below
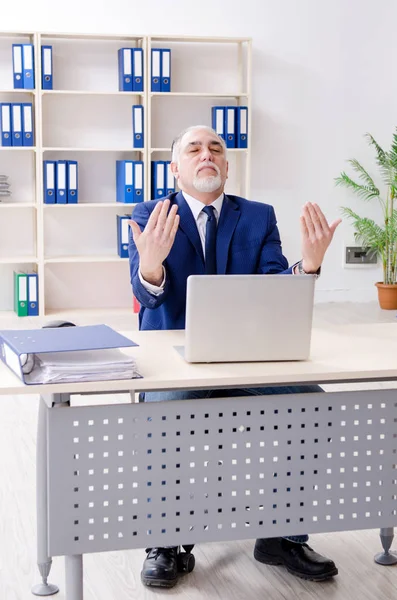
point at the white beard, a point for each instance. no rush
(207, 184)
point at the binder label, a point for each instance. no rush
(47, 61)
(138, 120)
(124, 231)
(18, 61)
(127, 66)
(243, 122)
(138, 64)
(72, 176)
(32, 289)
(128, 173)
(138, 176)
(160, 175)
(5, 118)
(170, 177)
(166, 63)
(27, 118)
(12, 359)
(23, 289)
(61, 176)
(16, 117)
(219, 121)
(28, 57)
(156, 63)
(50, 176)
(230, 120)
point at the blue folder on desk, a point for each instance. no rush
(16, 344)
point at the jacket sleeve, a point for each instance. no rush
(272, 260)
(141, 215)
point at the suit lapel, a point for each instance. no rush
(228, 220)
(188, 224)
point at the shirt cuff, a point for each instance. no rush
(156, 290)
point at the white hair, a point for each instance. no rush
(176, 144)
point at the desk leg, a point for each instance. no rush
(43, 560)
(386, 557)
(74, 577)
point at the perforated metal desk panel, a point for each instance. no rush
(132, 476)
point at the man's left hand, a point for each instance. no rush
(317, 235)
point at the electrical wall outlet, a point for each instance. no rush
(357, 255)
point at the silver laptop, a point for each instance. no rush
(242, 318)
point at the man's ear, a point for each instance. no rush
(227, 170)
(174, 169)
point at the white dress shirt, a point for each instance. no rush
(201, 221)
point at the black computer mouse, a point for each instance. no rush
(58, 324)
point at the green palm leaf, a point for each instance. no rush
(381, 154)
(364, 175)
(367, 232)
(387, 161)
(394, 144)
(366, 192)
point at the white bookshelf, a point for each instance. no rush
(86, 118)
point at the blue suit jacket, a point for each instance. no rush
(248, 242)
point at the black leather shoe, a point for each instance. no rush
(299, 559)
(160, 567)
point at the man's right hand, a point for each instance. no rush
(155, 241)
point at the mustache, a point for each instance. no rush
(208, 164)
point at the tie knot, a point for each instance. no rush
(210, 212)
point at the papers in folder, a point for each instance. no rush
(86, 365)
(67, 354)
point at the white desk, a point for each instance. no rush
(138, 475)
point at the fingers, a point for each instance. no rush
(169, 224)
(322, 221)
(136, 230)
(152, 221)
(304, 229)
(334, 225)
(306, 216)
(174, 229)
(316, 224)
(313, 216)
(162, 217)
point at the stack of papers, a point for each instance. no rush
(83, 365)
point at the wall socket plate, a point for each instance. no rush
(357, 255)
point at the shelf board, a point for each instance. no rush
(88, 93)
(18, 260)
(201, 94)
(18, 205)
(201, 39)
(18, 148)
(19, 91)
(55, 149)
(87, 37)
(84, 259)
(91, 205)
(17, 34)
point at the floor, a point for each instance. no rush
(224, 571)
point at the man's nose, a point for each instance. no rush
(206, 154)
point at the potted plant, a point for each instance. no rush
(378, 239)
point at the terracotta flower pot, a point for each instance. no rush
(387, 295)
